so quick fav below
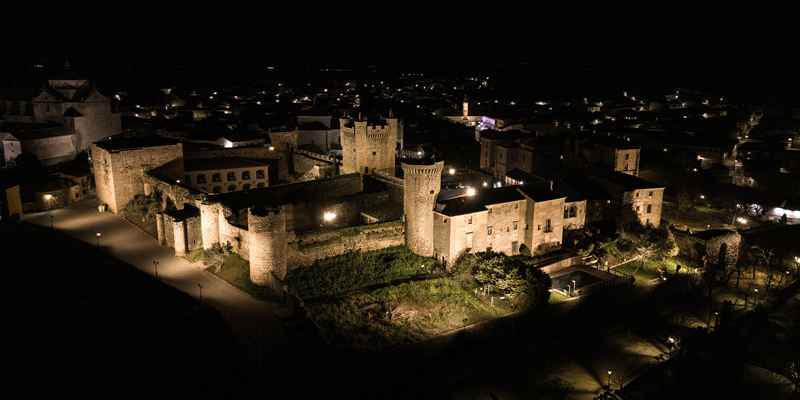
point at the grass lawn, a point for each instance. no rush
(649, 272)
(556, 297)
(365, 322)
(357, 270)
(235, 271)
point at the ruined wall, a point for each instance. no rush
(307, 248)
(731, 241)
(268, 243)
(422, 186)
(702, 245)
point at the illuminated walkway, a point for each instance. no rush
(248, 318)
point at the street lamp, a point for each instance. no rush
(464, 324)
(609, 380)
(755, 297)
(51, 227)
(201, 292)
(671, 345)
(49, 198)
(156, 264)
(573, 285)
(98, 239)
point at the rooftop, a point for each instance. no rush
(215, 164)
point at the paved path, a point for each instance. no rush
(248, 318)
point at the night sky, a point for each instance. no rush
(725, 47)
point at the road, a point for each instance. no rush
(248, 318)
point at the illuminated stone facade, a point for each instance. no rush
(267, 231)
(120, 163)
(501, 220)
(368, 146)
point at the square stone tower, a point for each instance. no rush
(367, 146)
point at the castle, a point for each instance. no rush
(265, 224)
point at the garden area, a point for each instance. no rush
(371, 302)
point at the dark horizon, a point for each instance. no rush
(566, 50)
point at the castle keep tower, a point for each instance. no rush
(267, 237)
(368, 146)
(421, 188)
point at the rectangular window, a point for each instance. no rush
(469, 220)
(547, 226)
(516, 224)
(627, 156)
(490, 211)
(637, 194)
(489, 230)
(651, 193)
(539, 227)
(637, 208)
(649, 207)
(566, 212)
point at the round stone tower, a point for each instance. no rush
(209, 217)
(267, 238)
(422, 183)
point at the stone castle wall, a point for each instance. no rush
(422, 186)
(118, 174)
(234, 237)
(395, 185)
(305, 249)
(348, 209)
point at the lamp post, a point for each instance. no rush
(201, 292)
(98, 239)
(464, 324)
(609, 380)
(755, 298)
(573, 286)
(49, 197)
(51, 223)
(671, 345)
(156, 264)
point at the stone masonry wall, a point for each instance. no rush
(268, 242)
(119, 173)
(332, 243)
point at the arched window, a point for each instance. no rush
(232, 188)
(217, 189)
(245, 175)
(260, 185)
(260, 174)
(201, 178)
(231, 176)
(216, 178)
(246, 186)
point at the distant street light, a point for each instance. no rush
(755, 297)
(464, 324)
(201, 292)
(156, 264)
(51, 222)
(98, 239)
(49, 198)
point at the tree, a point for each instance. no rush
(501, 272)
(144, 207)
(537, 287)
(664, 241)
(684, 201)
